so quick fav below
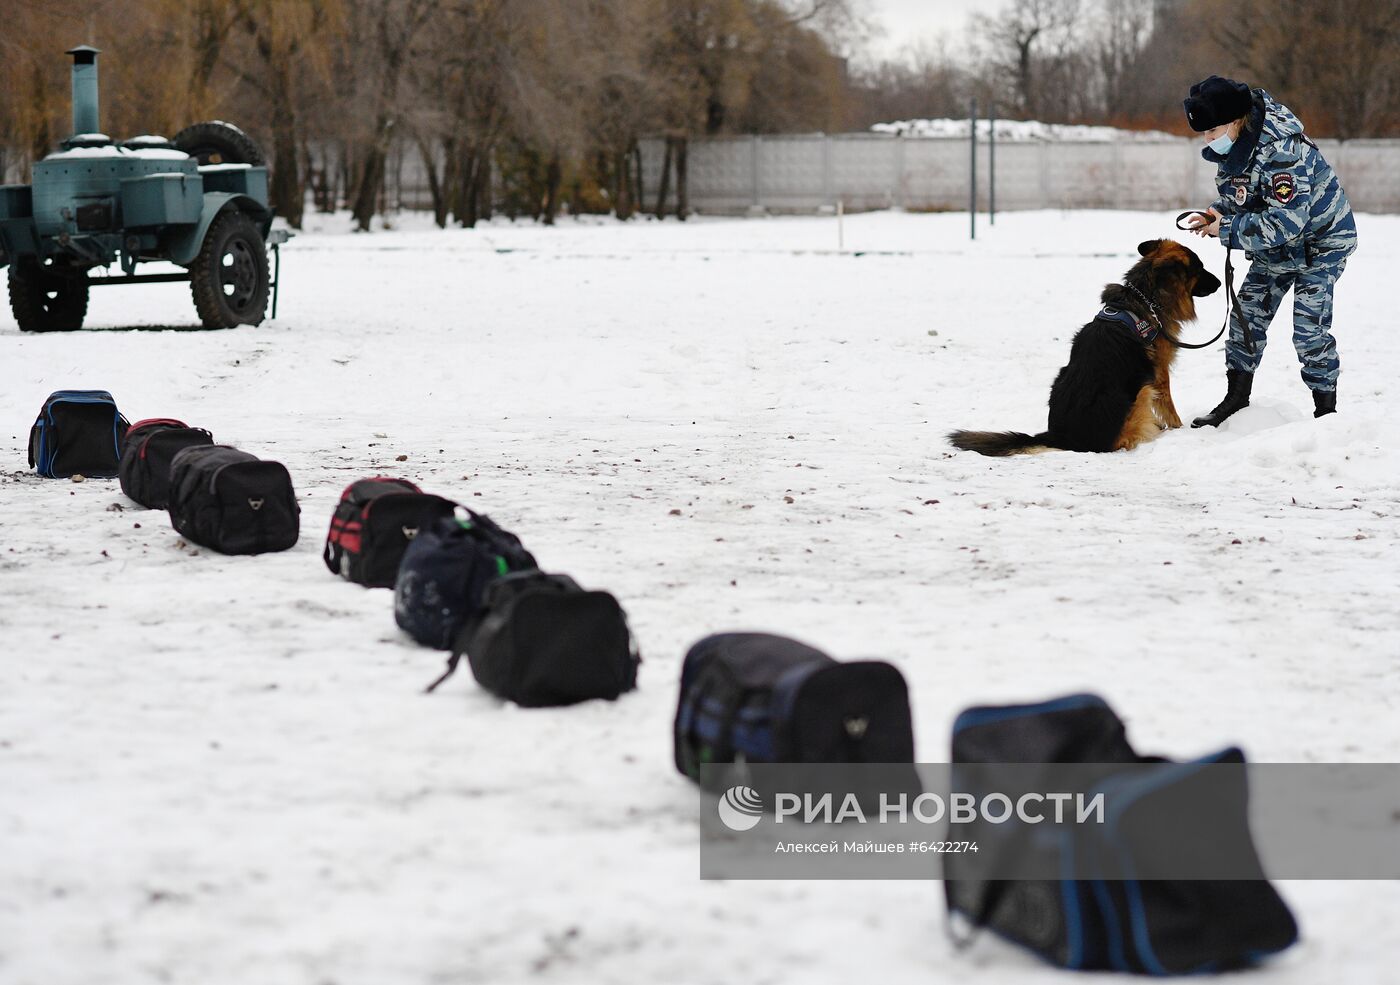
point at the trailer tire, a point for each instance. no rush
(217, 142)
(44, 301)
(229, 279)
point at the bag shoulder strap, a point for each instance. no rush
(452, 662)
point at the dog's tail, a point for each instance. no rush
(999, 444)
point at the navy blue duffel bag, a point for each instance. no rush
(445, 571)
(77, 432)
(1131, 898)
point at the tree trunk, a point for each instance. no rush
(308, 168)
(322, 186)
(341, 191)
(442, 207)
(665, 182)
(474, 188)
(367, 194)
(636, 172)
(372, 176)
(463, 208)
(714, 115)
(286, 192)
(553, 177)
(1024, 89)
(622, 177)
(41, 140)
(608, 173)
(682, 178)
(212, 27)
(482, 195)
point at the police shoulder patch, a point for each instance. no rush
(1282, 187)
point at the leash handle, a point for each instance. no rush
(1188, 214)
(1232, 301)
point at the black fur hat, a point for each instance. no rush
(1215, 102)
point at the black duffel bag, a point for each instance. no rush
(232, 502)
(540, 640)
(760, 698)
(373, 524)
(149, 450)
(1106, 913)
(443, 577)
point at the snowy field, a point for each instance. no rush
(222, 770)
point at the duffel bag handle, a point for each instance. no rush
(498, 589)
(503, 586)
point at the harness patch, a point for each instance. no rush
(1145, 330)
(1283, 188)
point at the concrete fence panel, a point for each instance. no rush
(805, 173)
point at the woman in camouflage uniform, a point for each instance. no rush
(1282, 204)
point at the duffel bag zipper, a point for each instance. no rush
(169, 421)
(147, 439)
(364, 517)
(152, 421)
(48, 443)
(38, 444)
(214, 477)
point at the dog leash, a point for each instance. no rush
(1232, 301)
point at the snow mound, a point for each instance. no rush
(1019, 130)
(1262, 415)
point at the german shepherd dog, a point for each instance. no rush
(1115, 393)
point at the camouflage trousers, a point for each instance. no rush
(1260, 295)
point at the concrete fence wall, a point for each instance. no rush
(807, 173)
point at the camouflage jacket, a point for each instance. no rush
(1282, 203)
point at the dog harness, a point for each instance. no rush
(1144, 329)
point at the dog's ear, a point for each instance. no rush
(1147, 247)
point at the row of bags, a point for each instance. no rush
(757, 698)
(464, 584)
(461, 582)
(218, 496)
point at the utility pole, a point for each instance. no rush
(972, 154)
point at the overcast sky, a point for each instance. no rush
(909, 21)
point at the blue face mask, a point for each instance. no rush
(1221, 144)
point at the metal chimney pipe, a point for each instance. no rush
(84, 89)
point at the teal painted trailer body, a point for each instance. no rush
(94, 202)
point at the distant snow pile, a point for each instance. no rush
(1022, 130)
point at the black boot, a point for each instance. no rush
(1324, 402)
(1236, 398)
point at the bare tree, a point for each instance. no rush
(1124, 27)
(386, 31)
(287, 40)
(1031, 43)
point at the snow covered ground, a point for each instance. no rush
(223, 770)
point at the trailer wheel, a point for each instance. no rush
(216, 142)
(229, 278)
(44, 300)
